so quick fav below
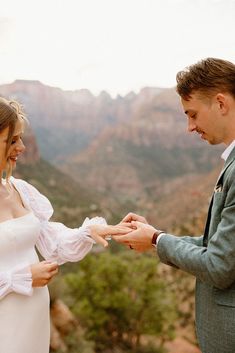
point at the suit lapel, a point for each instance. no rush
(206, 230)
(228, 162)
(218, 184)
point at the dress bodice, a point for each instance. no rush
(18, 237)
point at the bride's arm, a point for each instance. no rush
(22, 278)
(56, 242)
(17, 279)
(59, 243)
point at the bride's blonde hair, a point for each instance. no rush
(10, 112)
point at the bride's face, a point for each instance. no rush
(17, 147)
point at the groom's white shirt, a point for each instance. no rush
(228, 150)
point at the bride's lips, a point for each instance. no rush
(14, 158)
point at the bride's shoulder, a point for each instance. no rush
(37, 201)
(26, 188)
(20, 183)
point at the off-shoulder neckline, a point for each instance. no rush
(16, 218)
(29, 211)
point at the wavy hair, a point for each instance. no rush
(206, 77)
(10, 112)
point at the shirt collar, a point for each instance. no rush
(228, 150)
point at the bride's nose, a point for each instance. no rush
(20, 147)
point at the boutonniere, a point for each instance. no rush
(218, 188)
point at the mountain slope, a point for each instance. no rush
(138, 159)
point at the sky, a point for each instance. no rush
(113, 45)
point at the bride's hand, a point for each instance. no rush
(99, 232)
(43, 272)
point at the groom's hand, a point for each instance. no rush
(140, 238)
(134, 217)
(99, 232)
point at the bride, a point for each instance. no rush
(25, 224)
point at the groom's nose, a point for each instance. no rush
(191, 125)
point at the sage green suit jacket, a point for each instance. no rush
(211, 259)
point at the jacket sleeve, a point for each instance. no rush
(214, 264)
(193, 240)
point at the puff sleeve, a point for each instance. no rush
(18, 280)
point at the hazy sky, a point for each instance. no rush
(112, 45)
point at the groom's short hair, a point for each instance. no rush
(207, 77)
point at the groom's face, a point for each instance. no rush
(204, 118)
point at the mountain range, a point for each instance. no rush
(103, 156)
(130, 153)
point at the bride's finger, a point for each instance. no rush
(125, 224)
(100, 240)
(113, 230)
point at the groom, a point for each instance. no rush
(207, 91)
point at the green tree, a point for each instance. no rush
(119, 298)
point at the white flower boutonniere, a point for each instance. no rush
(218, 188)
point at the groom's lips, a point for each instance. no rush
(201, 133)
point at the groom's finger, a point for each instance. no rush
(134, 217)
(129, 217)
(136, 224)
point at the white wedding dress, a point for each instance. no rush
(24, 311)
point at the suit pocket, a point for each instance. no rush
(225, 297)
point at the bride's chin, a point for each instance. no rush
(12, 163)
